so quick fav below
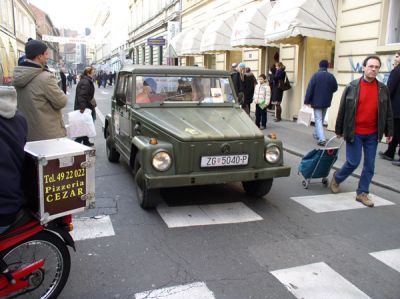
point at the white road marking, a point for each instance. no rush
(206, 214)
(315, 281)
(337, 202)
(91, 228)
(100, 116)
(105, 92)
(389, 257)
(196, 290)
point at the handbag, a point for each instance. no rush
(93, 103)
(284, 84)
(304, 116)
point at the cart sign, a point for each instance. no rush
(156, 41)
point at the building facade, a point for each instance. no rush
(17, 24)
(152, 23)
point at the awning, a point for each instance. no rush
(191, 42)
(289, 20)
(177, 42)
(217, 36)
(249, 29)
(170, 52)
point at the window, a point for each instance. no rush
(129, 90)
(210, 90)
(393, 28)
(151, 55)
(120, 95)
(160, 55)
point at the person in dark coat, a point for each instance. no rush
(393, 84)
(250, 82)
(319, 95)
(13, 134)
(277, 93)
(84, 97)
(63, 81)
(238, 81)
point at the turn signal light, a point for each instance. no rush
(272, 135)
(153, 141)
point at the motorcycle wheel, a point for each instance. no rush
(46, 282)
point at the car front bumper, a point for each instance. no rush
(215, 177)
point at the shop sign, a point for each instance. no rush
(156, 41)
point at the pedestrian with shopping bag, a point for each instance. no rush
(84, 99)
(261, 99)
(319, 95)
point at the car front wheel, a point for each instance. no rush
(257, 188)
(147, 198)
(112, 154)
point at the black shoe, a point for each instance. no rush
(384, 156)
(88, 144)
(321, 143)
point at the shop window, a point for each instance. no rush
(393, 29)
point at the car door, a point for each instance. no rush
(123, 100)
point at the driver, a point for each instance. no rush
(13, 132)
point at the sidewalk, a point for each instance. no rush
(298, 140)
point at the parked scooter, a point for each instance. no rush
(34, 258)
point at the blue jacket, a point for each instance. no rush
(320, 89)
(394, 88)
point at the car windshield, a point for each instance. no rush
(165, 89)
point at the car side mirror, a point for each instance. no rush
(120, 98)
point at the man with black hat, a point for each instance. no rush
(319, 95)
(39, 97)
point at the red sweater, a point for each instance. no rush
(367, 109)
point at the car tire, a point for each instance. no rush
(147, 198)
(112, 154)
(257, 188)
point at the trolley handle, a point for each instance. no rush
(331, 139)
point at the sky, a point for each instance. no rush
(71, 14)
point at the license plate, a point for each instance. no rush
(221, 161)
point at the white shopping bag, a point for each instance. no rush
(81, 124)
(304, 116)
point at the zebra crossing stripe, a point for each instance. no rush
(183, 216)
(337, 202)
(389, 257)
(91, 228)
(315, 281)
(196, 290)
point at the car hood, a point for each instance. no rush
(202, 123)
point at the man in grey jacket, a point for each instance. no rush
(38, 96)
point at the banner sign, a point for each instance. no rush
(156, 41)
(64, 39)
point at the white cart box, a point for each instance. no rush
(60, 177)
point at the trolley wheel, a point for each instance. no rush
(325, 182)
(305, 184)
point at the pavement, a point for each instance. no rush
(298, 140)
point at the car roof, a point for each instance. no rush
(168, 69)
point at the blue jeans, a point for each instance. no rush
(367, 143)
(319, 116)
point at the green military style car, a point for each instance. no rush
(183, 126)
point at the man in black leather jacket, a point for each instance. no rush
(365, 114)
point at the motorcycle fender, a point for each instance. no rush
(65, 236)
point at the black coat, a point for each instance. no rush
(394, 88)
(84, 94)
(277, 93)
(63, 82)
(13, 132)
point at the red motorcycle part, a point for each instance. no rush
(7, 288)
(21, 233)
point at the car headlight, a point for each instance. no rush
(161, 161)
(272, 154)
